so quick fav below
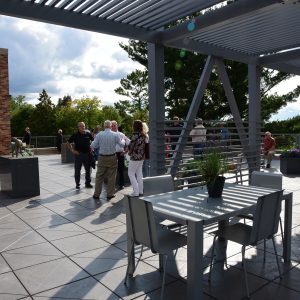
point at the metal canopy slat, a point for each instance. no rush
(85, 5)
(53, 3)
(64, 4)
(74, 4)
(42, 1)
(118, 8)
(95, 7)
(131, 9)
(178, 12)
(143, 11)
(107, 7)
(163, 5)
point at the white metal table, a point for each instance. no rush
(194, 208)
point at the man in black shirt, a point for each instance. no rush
(81, 140)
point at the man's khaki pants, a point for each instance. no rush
(107, 168)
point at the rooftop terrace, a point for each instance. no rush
(64, 245)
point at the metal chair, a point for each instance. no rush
(265, 226)
(145, 231)
(268, 180)
(158, 184)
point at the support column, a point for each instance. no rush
(156, 108)
(254, 116)
(5, 133)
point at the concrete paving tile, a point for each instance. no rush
(10, 287)
(89, 289)
(291, 279)
(48, 221)
(101, 260)
(4, 267)
(31, 255)
(96, 222)
(113, 235)
(80, 243)
(49, 275)
(145, 279)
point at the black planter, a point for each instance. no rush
(290, 165)
(215, 188)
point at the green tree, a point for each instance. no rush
(20, 112)
(88, 110)
(135, 88)
(182, 73)
(42, 119)
(65, 101)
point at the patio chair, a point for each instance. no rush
(145, 231)
(268, 180)
(157, 185)
(264, 227)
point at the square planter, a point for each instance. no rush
(66, 155)
(290, 165)
(19, 177)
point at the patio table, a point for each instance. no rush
(193, 208)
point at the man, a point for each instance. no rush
(106, 141)
(174, 133)
(269, 148)
(120, 151)
(27, 137)
(81, 140)
(198, 135)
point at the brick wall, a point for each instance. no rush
(5, 133)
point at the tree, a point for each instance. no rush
(20, 112)
(42, 120)
(135, 88)
(182, 73)
(65, 101)
(88, 110)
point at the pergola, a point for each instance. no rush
(260, 33)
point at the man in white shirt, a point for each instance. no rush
(120, 151)
(106, 141)
(198, 135)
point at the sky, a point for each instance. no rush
(66, 61)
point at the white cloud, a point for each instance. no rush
(62, 60)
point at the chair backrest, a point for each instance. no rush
(270, 180)
(266, 217)
(141, 222)
(158, 184)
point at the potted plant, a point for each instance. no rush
(290, 161)
(212, 168)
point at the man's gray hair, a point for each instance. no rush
(199, 121)
(107, 124)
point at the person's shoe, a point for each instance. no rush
(96, 197)
(110, 197)
(134, 195)
(141, 195)
(77, 186)
(268, 166)
(89, 186)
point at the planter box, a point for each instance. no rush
(290, 165)
(19, 177)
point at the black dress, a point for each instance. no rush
(59, 140)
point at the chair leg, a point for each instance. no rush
(245, 272)
(211, 259)
(281, 229)
(264, 251)
(128, 265)
(165, 258)
(277, 260)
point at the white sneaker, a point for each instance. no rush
(134, 195)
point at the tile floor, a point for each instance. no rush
(64, 245)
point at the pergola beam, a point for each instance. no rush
(279, 57)
(57, 16)
(214, 17)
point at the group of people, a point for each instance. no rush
(112, 145)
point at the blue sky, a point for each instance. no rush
(73, 62)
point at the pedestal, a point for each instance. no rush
(66, 155)
(290, 165)
(19, 177)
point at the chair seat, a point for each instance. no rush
(239, 233)
(169, 240)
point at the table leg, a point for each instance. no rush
(130, 249)
(287, 227)
(195, 261)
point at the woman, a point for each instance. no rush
(59, 140)
(137, 156)
(146, 164)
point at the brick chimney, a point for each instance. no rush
(5, 132)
